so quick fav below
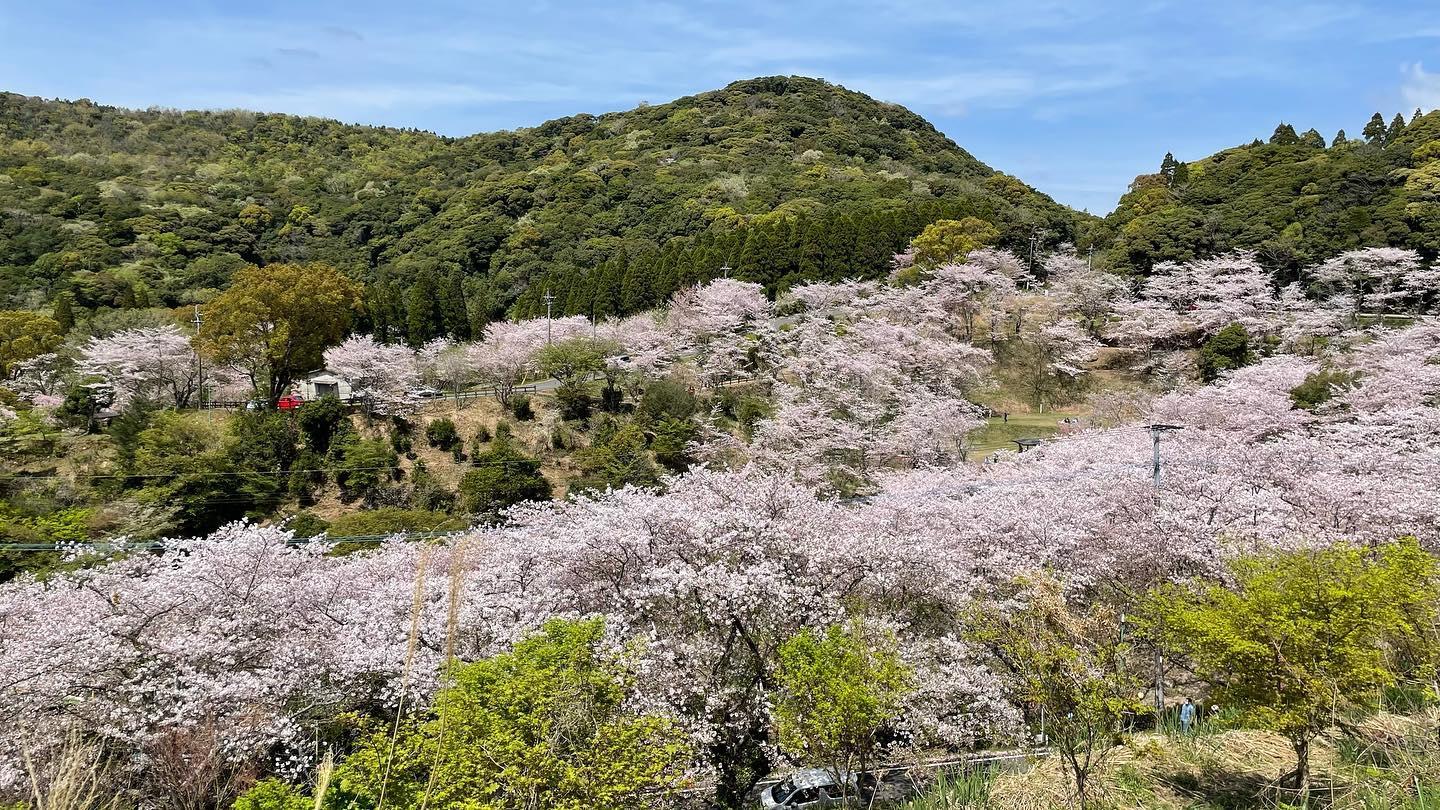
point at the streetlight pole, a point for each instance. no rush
(1156, 431)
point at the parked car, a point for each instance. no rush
(290, 402)
(816, 788)
(426, 392)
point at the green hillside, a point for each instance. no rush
(1296, 199)
(781, 178)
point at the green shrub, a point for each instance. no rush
(520, 407)
(307, 524)
(273, 794)
(441, 433)
(667, 398)
(364, 468)
(1320, 387)
(671, 443)
(320, 422)
(574, 401)
(391, 520)
(1228, 350)
(503, 476)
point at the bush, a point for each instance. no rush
(307, 475)
(441, 433)
(428, 493)
(503, 476)
(482, 435)
(320, 422)
(307, 524)
(520, 406)
(364, 468)
(667, 398)
(1320, 387)
(618, 458)
(390, 520)
(1228, 350)
(400, 443)
(574, 401)
(273, 794)
(612, 400)
(670, 445)
(751, 409)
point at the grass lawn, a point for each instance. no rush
(998, 434)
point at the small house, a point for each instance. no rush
(323, 383)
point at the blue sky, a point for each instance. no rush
(1074, 96)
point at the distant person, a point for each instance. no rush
(1187, 716)
(1005, 417)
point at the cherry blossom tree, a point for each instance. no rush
(1053, 359)
(40, 378)
(1379, 279)
(1213, 293)
(505, 356)
(1086, 294)
(147, 363)
(697, 314)
(382, 377)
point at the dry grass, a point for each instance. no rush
(1379, 764)
(76, 779)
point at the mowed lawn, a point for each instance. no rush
(998, 434)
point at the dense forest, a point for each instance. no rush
(1295, 199)
(781, 179)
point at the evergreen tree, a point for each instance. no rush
(1397, 128)
(424, 318)
(1339, 139)
(606, 292)
(1375, 130)
(637, 288)
(64, 311)
(810, 250)
(1285, 136)
(1313, 138)
(1167, 168)
(454, 313)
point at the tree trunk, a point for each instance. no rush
(1302, 769)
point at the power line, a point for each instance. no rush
(160, 545)
(218, 473)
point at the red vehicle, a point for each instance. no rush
(290, 402)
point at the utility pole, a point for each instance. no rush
(199, 360)
(1034, 241)
(549, 299)
(1156, 430)
(725, 269)
(1091, 265)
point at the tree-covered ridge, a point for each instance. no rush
(1295, 199)
(126, 208)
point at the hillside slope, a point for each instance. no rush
(1295, 199)
(613, 211)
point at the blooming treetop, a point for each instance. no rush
(147, 363)
(383, 377)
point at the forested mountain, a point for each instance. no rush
(1295, 199)
(782, 178)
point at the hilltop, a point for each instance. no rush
(1296, 198)
(612, 212)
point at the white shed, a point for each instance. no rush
(323, 383)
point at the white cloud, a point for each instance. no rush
(955, 93)
(1420, 89)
